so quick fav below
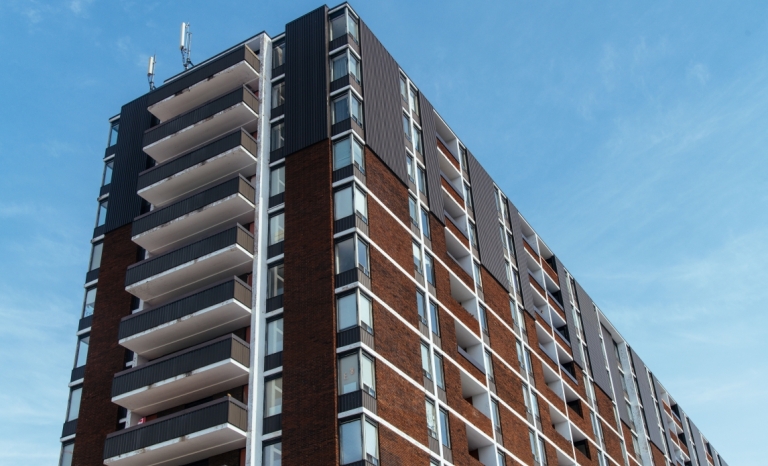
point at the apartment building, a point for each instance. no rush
(296, 261)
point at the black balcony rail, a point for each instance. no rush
(150, 318)
(273, 361)
(202, 112)
(341, 41)
(225, 410)
(276, 249)
(155, 265)
(346, 125)
(91, 275)
(277, 199)
(351, 221)
(98, 231)
(344, 81)
(104, 189)
(188, 360)
(69, 428)
(353, 275)
(184, 161)
(357, 399)
(272, 424)
(354, 335)
(85, 323)
(350, 170)
(235, 185)
(277, 111)
(277, 154)
(77, 373)
(274, 303)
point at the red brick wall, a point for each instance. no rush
(393, 287)
(401, 404)
(309, 349)
(396, 343)
(98, 415)
(396, 451)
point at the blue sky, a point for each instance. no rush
(631, 135)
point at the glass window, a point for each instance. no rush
(344, 65)
(277, 139)
(425, 223)
(354, 309)
(356, 109)
(422, 180)
(345, 255)
(277, 181)
(351, 442)
(439, 376)
(463, 152)
(278, 55)
(352, 27)
(417, 257)
(410, 167)
(500, 458)
(483, 319)
(278, 94)
(543, 451)
(82, 351)
(342, 203)
(489, 364)
(421, 307)
(496, 416)
(473, 234)
(361, 204)
(431, 419)
(101, 216)
(273, 397)
(403, 88)
(114, 129)
(107, 177)
(66, 454)
(534, 449)
(273, 454)
(338, 26)
(478, 276)
(468, 196)
(346, 151)
(346, 106)
(445, 435)
(434, 322)
(362, 255)
(276, 228)
(429, 269)
(414, 100)
(274, 336)
(426, 361)
(417, 140)
(96, 256)
(356, 372)
(520, 358)
(90, 302)
(407, 127)
(74, 403)
(275, 280)
(368, 374)
(371, 442)
(413, 211)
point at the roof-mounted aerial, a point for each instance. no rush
(185, 44)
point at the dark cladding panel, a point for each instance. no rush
(664, 422)
(646, 397)
(592, 334)
(568, 308)
(701, 452)
(487, 221)
(431, 157)
(382, 109)
(306, 80)
(613, 364)
(522, 266)
(130, 160)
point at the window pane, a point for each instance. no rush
(422, 181)
(413, 211)
(421, 307)
(74, 404)
(403, 89)
(273, 397)
(426, 363)
(495, 413)
(362, 255)
(431, 419)
(345, 255)
(407, 127)
(277, 139)
(416, 256)
(352, 27)
(66, 454)
(354, 67)
(273, 454)
(349, 378)
(361, 204)
(340, 109)
(409, 167)
(101, 217)
(417, 140)
(357, 110)
(357, 154)
(478, 277)
(82, 352)
(444, 429)
(425, 223)
(275, 279)
(489, 363)
(278, 95)
(277, 181)
(351, 442)
(96, 256)
(276, 228)
(346, 309)
(342, 154)
(278, 55)
(107, 178)
(366, 312)
(371, 440)
(90, 301)
(534, 450)
(338, 26)
(339, 67)
(342, 203)
(414, 101)
(429, 269)
(439, 377)
(113, 132)
(275, 336)
(433, 317)
(368, 374)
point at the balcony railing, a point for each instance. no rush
(550, 271)
(455, 194)
(538, 287)
(191, 374)
(451, 158)
(190, 435)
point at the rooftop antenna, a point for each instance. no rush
(185, 44)
(151, 73)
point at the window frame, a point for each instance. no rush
(278, 58)
(357, 192)
(348, 95)
(109, 167)
(101, 212)
(349, 19)
(270, 226)
(357, 241)
(353, 160)
(359, 321)
(363, 422)
(98, 246)
(277, 133)
(361, 385)
(278, 91)
(85, 301)
(267, 340)
(280, 169)
(349, 56)
(273, 287)
(114, 133)
(273, 380)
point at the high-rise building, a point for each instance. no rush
(296, 261)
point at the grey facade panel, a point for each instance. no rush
(646, 397)
(664, 422)
(382, 108)
(613, 364)
(130, 160)
(522, 266)
(568, 308)
(701, 453)
(592, 335)
(306, 80)
(431, 157)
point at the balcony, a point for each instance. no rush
(193, 266)
(196, 318)
(174, 179)
(185, 437)
(238, 67)
(183, 377)
(236, 109)
(229, 203)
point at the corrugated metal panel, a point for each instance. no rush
(563, 279)
(487, 221)
(431, 157)
(646, 398)
(383, 123)
(701, 452)
(592, 335)
(664, 422)
(522, 266)
(613, 364)
(130, 160)
(306, 80)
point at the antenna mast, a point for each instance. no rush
(151, 73)
(185, 44)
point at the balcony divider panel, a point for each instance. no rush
(592, 334)
(646, 397)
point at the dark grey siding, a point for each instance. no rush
(382, 108)
(522, 265)
(306, 80)
(592, 335)
(701, 453)
(568, 308)
(130, 160)
(664, 422)
(431, 157)
(613, 364)
(646, 398)
(487, 221)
